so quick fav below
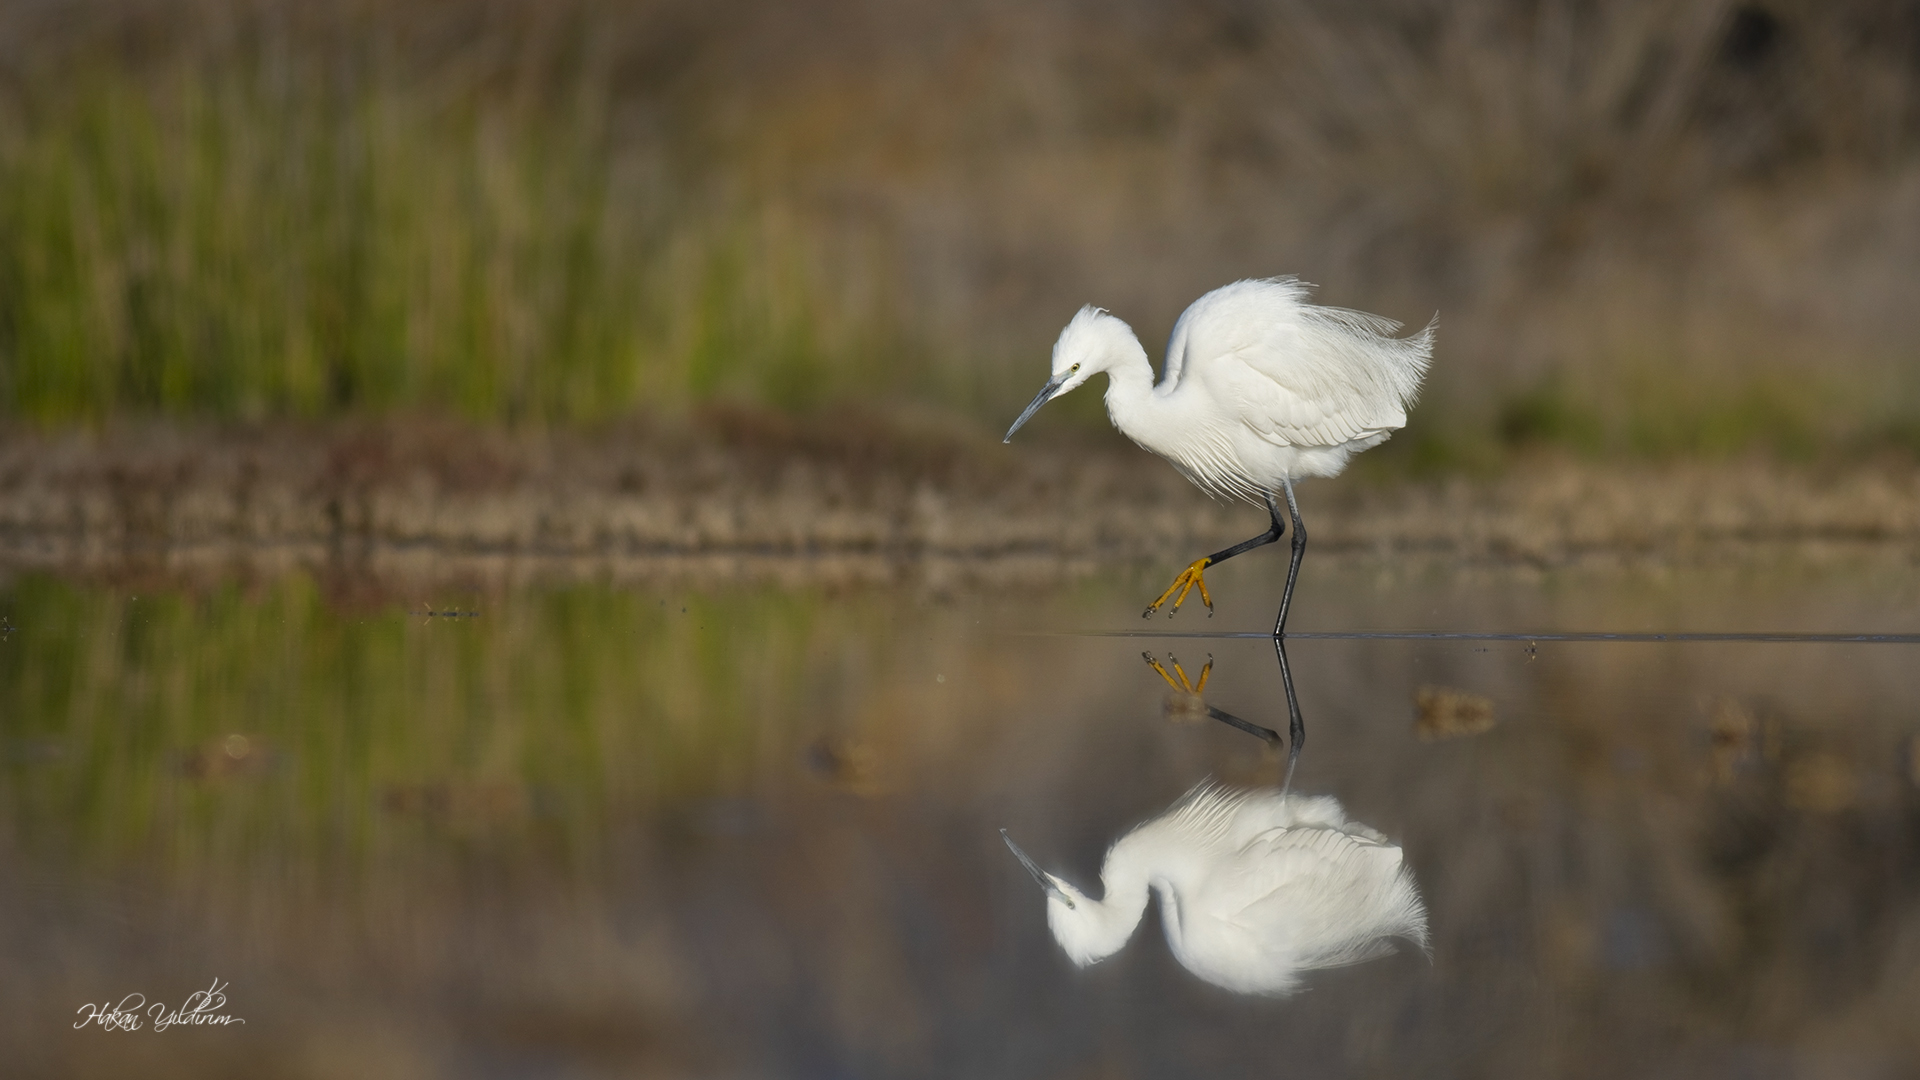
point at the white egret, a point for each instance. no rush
(1254, 886)
(1259, 389)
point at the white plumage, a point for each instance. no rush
(1254, 886)
(1259, 389)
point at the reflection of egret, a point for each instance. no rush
(1255, 887)
(1259, 389)
(1187, 704)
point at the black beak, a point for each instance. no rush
(1045, 395)
(1045, 879)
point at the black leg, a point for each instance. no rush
(1266, 735)
(1293, 565)
(1296, 726)
(1190, 577)
(1274, 533)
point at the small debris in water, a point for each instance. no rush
(1445, 713)
(1734, 736)
(428, 611)
(851, 766)
(461, 803)
(231, 755)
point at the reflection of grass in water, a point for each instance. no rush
(360, 729)
(1635, 843)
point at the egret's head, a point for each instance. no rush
(1083, 927)
(1092, 342)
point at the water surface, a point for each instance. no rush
(744, 831)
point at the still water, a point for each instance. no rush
(745, 831)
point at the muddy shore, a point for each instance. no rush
(841, 502)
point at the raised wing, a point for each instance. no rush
(1297, 374)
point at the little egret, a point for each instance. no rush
(1255, 887)
(1259, 389)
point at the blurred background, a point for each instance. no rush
(506, 556)
(1647, 227)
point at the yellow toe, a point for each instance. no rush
(1188, 580)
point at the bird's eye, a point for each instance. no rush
(1073, 369)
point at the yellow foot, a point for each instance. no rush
(1188, 580)
(1183, 684)
(1184, 704)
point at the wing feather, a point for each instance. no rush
(1327, 897)
(1295, 373)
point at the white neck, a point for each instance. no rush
(1093, 930)
(1129, 385)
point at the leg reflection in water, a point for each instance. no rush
(1186, 704)
(1296, 726)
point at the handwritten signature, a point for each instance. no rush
(201, 1009)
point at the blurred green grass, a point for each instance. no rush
(218, 251)
(282, 723)
(1651, 228)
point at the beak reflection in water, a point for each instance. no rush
(1054, 892)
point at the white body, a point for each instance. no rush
(1254, 886)
(1258, 385)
